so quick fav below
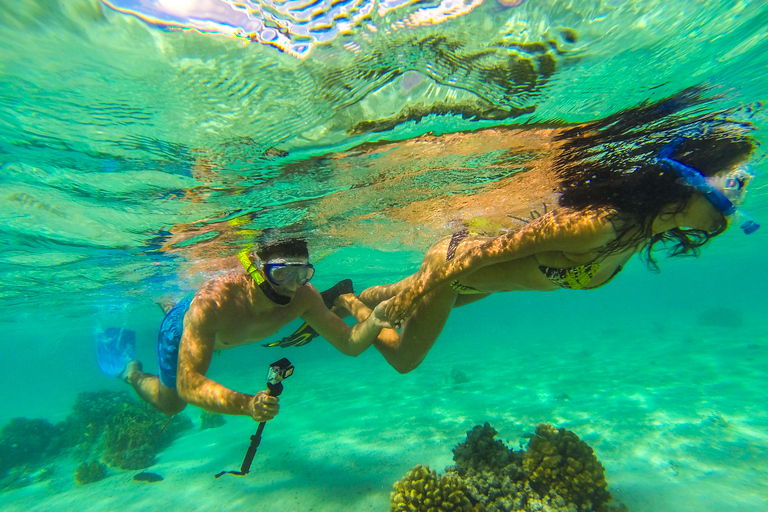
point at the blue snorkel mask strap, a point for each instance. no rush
(694, 178)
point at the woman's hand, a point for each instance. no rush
(379, 315)
(264, 406)
(401, 306)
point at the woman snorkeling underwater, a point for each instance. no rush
(656, 173)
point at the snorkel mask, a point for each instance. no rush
(262, 283)
(724, 202)
(279, 271)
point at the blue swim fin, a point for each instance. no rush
(115, 348)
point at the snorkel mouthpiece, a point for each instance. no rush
(694, 178)
(749, 226)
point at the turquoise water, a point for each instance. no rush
(140, 152)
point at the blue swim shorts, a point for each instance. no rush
(168, 340)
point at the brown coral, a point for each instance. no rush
(480, 451)
(557, 473)
(558, 462)
(423, 490)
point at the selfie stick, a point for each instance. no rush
(278, 371)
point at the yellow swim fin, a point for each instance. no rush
(302, 336)
(305, 333)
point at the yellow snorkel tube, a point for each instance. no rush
(249, 266)
(262, 283)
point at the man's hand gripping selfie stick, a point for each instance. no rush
(278, 371)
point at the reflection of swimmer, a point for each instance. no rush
(625, 183)
(238, 308)
(200, 239)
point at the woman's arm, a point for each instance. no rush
(195, 353)
(564, 232)
(351, 341)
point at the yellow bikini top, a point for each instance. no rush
(575, 278)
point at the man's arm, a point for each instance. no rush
(195, 353)
(351, 341)
(565, 233)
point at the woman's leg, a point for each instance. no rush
(435, 256)
(406, 350)
(420, 331)
(463, 300)
(352, 304)
(372, 296)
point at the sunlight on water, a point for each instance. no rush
(292, 27)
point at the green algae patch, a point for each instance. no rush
(122, 431)
(104, 428)
(89, 472)
(28, 442)
(211, 420)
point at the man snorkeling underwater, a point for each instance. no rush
(241, 308)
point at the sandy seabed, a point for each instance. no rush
(679, 424)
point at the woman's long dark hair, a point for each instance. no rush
(612, 164)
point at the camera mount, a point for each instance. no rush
(278, 371)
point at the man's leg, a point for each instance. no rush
(151, 390)
(160, 391)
